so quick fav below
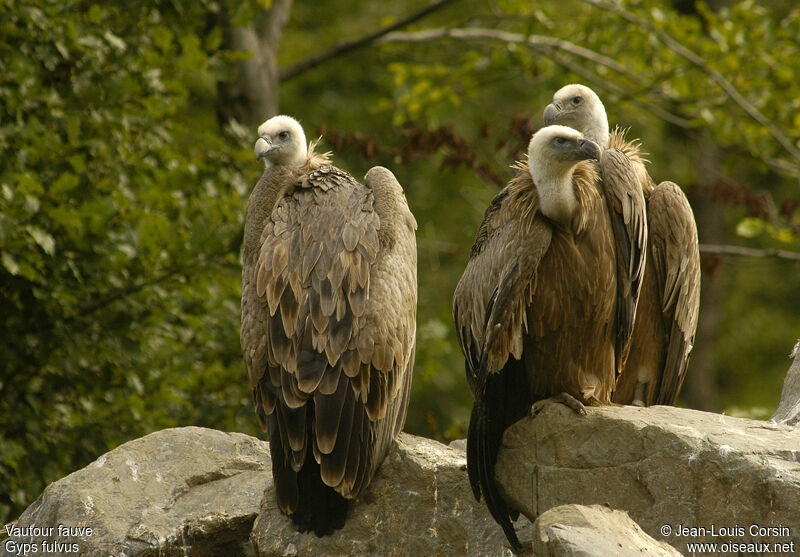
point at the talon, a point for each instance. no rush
(567, 400)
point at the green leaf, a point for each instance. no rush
(95, 13)
(32, 204)
(45, 240)
(10, 263)
(63, 184)
(115, 41)
(750, 227)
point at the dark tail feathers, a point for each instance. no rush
(312, 505)
(489, 419)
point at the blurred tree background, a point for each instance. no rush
(126, 138)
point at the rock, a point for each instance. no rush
(199, 492)
(788, 411)
(577, 530)
(419, 503)
(458, 444)
(183, 491)
(195, 491)
(670, 469)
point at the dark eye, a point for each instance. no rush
(577, 100)
(559, 141)
(283, 136)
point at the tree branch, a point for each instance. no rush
(547, 45)
(610, 86)
(749, 252)
(536, 41)
(348, 46)
(104, 299)
(715, 76)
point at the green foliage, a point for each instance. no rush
(120, 208)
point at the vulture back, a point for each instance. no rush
(329, 291)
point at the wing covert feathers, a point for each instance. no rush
(496, 285)
(329, 320)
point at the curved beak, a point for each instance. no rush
(263, 147)
(551, 114)
(588, 149)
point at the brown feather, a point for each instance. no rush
(330, 380)
(289, 310)
(311, 257)
(311, 365)
(317, 302)
(626, 205)
(292, 395)
(667, 322)
(376, 399)
(332, 465)
(280, 346)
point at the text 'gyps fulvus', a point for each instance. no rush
(536, 308)
(666, 319)
(329, 294)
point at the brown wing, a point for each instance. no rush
(627, 209)
(497, 281)
(676, 265)
(471, 295)
(328, 316)
(489, 310)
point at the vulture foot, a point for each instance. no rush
(563, 398)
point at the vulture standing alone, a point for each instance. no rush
(329, 294)
(536, 310)
(666, 319)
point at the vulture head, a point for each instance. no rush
(579, 107)
(553, 154)
(281, 142)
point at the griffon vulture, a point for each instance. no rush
(536, 308)
(666, 319)
(329, 294)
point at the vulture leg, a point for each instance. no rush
(640, 394)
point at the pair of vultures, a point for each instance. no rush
(583, 284)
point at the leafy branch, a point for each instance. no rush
(549, 46)
(697, 61)
(103, 300)
(348, 46)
